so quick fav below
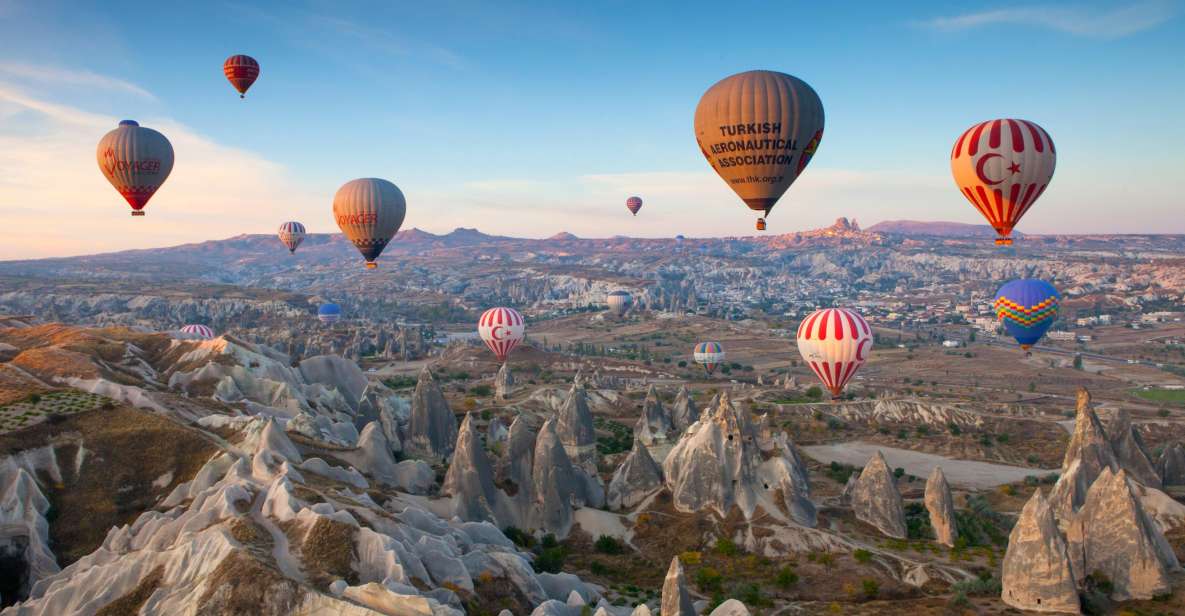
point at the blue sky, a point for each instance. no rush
(529, 119)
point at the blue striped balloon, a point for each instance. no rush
(329, 313)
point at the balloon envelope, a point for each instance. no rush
(1002, 167)
(619, 302)
(834, 342)
(201, 331)
(501, 329)
(758, 130)
(241, 71)
(1027, 308)
(709, 355)
(136, 160)
(329, 313)
(633, 204)
(291, 234)
(369, 212)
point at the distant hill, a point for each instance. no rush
(938, 228)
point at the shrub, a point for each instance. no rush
(862, 556)
(519, 537)
(898, 472)
(550, 560)
(979, 587)
(608, 545)
(549, 541)
(481, 390)
(726, 547)
(954, 429)
(750, 595)
(682, 364)
(709, 580)
(34, 398)
(598, 569)
(902, 434)
(787, 577)
(870, 588)
(814, 392)
(922, 430)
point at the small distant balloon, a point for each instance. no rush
(241, 71)
(1027, 308)
(501, 329)
(369, 212)
(329, 313)
(619, 302)
(633, 204)
(1002, 167)
(201, 331)
(834, 342)
(292, 234)
(709, 355)
(758, 130)
(136, 160)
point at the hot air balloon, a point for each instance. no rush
(369, 212)
(292, 234)
(1002, 167)
(758, 130)
(1027, 308)
(136, 160)
(633, 204)
(201, 331)
(241, 71)
(619, 302)
(501, 329)
(709, 355)
(329, 313)
(834, 342)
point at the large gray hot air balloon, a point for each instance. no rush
(619, 302)
(758, 130)
(369, 212)
(136, 160)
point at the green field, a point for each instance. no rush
(1172, 396)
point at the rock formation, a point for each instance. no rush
(1113, 535)
(637, 477)
(654, 425)
(1171, 465)
(432, 428)
(504, 382)
(875, 499)
(675, 599)
(1129, 449)
(941, 506)
(683, 411)
(1037, 575)
(574, 425)
(470, 479)
(556, 485)
(515, 466)
(1088, 453)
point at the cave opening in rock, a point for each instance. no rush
(14, 571)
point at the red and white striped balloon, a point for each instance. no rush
(201, 331)
(501, 329)
(1002, 167)
(834, 342)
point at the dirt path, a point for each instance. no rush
(965, 473)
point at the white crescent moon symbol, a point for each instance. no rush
(979, 169)
(860, 348)
(494, 332)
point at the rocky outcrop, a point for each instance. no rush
(24, 529)
(941, 506)
(675, 599)
(1129, 449)
(504, 383)
(432, 428)
(470, 479)
(1037, 574)
(1088, 453)
(556, 485)
(574, 426)
(637, 477)
(683, 411)
(336, 373)
(514, 467)
(876, 501)
(654, 425)
(1113, 535)
(1171, 465)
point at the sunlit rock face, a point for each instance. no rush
(1037, 575)
(432, 428)
(941, 506)
(876, 501)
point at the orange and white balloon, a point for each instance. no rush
(834, 342)
(501, 329)
(1002, 167)
(136, 160)
(369, 212)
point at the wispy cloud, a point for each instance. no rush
(28, 72)
(54, 201)
(1089, 21)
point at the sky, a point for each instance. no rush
(528, 119)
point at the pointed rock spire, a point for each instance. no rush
(1172, 465)
(555, 485)
(1037, 574)
(637, 477)
(515, 466)
(875, 499)
(683, 411)
(470, 480)
(655, 423)
(432, 429)
(675, 599)
(1130, 452)
(1112, 534)
(504, 382)
(1088, 453)
(574, 426)
(941, 506)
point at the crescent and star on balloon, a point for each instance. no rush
(1013, 168)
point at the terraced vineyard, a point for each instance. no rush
(38, 407)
